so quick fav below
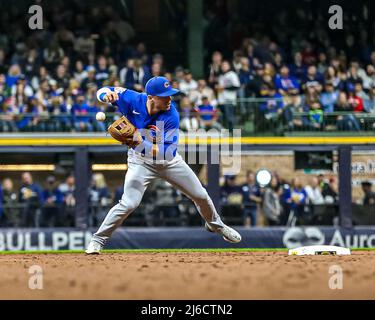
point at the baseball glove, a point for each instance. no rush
(124, 131)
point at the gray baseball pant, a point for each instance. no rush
(139, 175)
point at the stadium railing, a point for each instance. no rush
(249, 116)
(183, 213)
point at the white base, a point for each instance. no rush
(319, 250)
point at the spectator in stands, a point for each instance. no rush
(21, 87)
(285, 200)
(135, 76)
(41, 77)
(285, 82)
(5, 90)
(179, 74)
(207, 115)
(316, 116)
(343, 84)
(53, 54)
(13, 75)
(81, 116)
(67, 189)
(312, 78)
(156, 70)
(329, 97)
(254, 86)
(249, 51)
(79, 72)
(8, 202)
(43, 94)
(52, 199)
(271, 202)
(62, 78)
(230, 192)
(355, 101)
(89, 81)
(251, 197)
(347, 121)
(314, 192)
(322, 63)
(361, 94)
(293, 103)
(227, 88)
(6, 111)
(369, 195)
(331, 191)
(99, 198)
(298, 68)
(214, 69)
(369, 77)
(298, 199)
(369, 104)
(3, 65)
(231, 198)
(30, 65)
(308, 54)
(188, 84)
(59, 112)
(353, 75)
(203, 90)
(272, 107)
(141, 53)
(188, 119)
(30, 195)
(245, 77)
(236, 62)
(102, 72)
(30, 112)
(331, 77)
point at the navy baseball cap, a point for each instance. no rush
(160, 87)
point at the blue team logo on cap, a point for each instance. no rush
(160, 87)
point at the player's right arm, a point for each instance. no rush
(110, 94)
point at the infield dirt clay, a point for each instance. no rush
(188, 275)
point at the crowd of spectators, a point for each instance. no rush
(54, 74)
(36, 205)
(52, 203)
(285, 202)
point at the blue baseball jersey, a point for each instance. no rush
(163, 126)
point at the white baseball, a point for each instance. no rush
(100, 116)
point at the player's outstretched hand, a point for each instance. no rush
(111, 97)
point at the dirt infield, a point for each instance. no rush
(187, 275)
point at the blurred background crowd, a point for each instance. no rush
(269, 69)
(52, 203)
(49, 77)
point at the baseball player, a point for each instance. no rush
(153, 121)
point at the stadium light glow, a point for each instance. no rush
(263, 177)
(109, 167)
(27, 167)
